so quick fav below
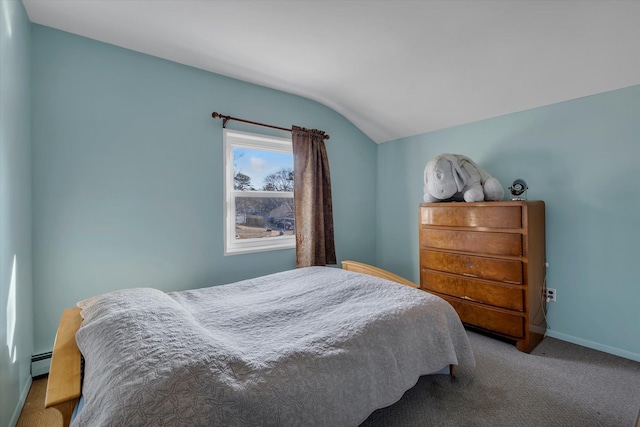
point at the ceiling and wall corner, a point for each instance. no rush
(393, 68)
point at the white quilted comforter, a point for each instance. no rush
(316, 346)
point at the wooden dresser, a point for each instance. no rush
(488, 260)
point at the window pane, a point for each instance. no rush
(258, 193)
(262, 170)
(258, 217)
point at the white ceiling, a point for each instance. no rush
(393, 68)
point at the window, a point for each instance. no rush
(258, 193)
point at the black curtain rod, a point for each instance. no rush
(225, 119)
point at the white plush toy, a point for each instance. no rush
(454, 177)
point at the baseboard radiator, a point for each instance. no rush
(40, 364)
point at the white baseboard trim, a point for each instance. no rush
(23, 399)
(594, 345)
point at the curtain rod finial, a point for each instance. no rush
(224, 118)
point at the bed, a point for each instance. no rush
(312, 346)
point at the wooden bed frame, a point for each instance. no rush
(64, 382)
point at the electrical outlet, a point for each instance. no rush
(550, 294)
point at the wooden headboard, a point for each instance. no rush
(360, 267)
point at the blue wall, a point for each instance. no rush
(127, 174)
(581, 157)
(16, 310)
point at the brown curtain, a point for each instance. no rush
(312, 199)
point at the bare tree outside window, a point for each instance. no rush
(279, 181)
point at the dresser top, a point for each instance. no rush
(481, 204)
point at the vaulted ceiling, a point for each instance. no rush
(393, 68)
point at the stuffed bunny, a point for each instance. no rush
(454, 177)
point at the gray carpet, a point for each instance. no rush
(558, 384)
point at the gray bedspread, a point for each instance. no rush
(315, 346)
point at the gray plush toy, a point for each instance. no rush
(454, 177)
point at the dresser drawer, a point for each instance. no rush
(494, 294)
(485, 317)
(503, 270)
(473, 241)
(471, 216)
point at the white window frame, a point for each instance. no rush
(237, 139)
